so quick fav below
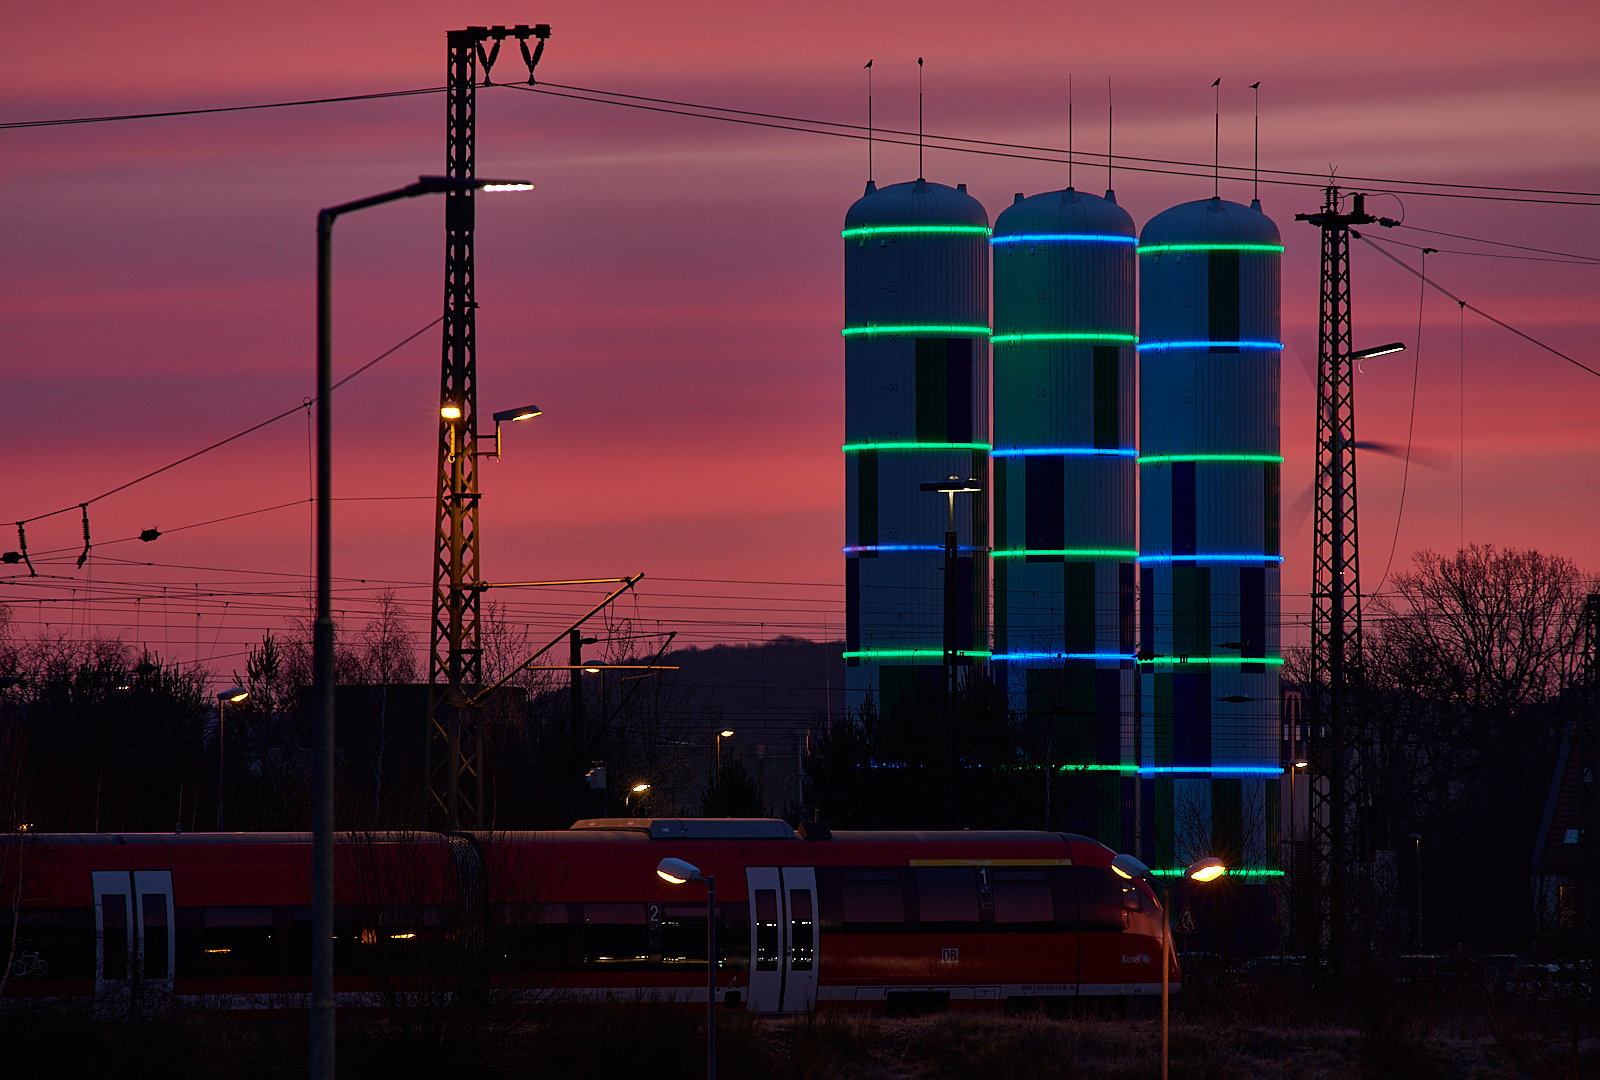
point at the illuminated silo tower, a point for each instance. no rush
(916, 347)
(1065, 526)
(1209, 554)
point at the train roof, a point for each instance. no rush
(599, 829)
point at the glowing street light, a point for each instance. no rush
(679, 872)
(322, 718)
(1203, 870)
(1378, 350)
(224, 699)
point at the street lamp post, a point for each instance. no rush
(677, 871)
(1203, 870)
(322, 748)
(950, 487)
(1416, 840)
(725, 733)
(944, 734)
(234, 696)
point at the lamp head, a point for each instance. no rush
(428, 185)
(450, 411)
(236, 695)
(953, 485)
(726, 734)
(677, 872)
(527, 412)
(1378, 350)
(1128, 867)
(1207, 869)
(637, 788)
(1302, 764)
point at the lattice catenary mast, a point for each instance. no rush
(455, 743)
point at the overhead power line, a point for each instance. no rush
(306, 404)
(838, 129)
(1026, 152)
(1372, 243)
(1498, 243)
(1315, 179)
(71, 120)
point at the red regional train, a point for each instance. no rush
(807, 918)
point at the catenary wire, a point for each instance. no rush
(1574, 260)
(815, 126)
(1373, 242)
(975, 146)
(306, 404)
(1499, 243)
(1318, 178)
(13, 125)
(1411, 424)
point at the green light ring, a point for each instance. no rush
(1069, 553)
(1156, 248)
(854, 448)
(1165, 459)
(920, 328)
(910, 654)
(1180, 661)
(1111, 339)
(867, 231)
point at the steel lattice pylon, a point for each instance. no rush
(454, 765)
(1336, 677)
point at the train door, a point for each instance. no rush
(134, 947)
(783, 938)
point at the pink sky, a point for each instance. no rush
(671, 294)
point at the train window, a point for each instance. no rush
(683, 935)
(768, 932)
(534, 937)
(155, 935)
(948, 899)
(615, 936)
(873, 902)
(1022, 900)
(801, 933)
(235, 941)
(114, 936)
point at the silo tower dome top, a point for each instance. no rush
(1210, 221)
(916, 202)
(1063, 213)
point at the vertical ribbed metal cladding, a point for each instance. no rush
(1065, 476)
(916, 356)
(1209, 552)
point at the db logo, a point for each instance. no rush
(949, 956)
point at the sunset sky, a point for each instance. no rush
(671, 294)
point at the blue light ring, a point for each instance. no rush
(1220, 558)
(1063, 238)
(909, 549)
(1207, 346)
(1066, 451)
